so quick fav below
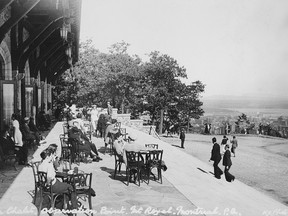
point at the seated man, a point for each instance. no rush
(34, 128)
(83, 143)
(29, 135)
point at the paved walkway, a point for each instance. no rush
(188, 188)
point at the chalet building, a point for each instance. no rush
(39, 40)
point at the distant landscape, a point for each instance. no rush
(231, 105)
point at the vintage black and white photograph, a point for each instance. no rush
(144, 107)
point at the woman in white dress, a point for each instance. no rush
(17, 135)
(22, 151)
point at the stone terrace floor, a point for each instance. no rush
(188, 188)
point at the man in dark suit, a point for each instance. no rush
(216, 157)
(182, 137)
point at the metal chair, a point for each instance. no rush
(46, 190)
(66, 148)
(118, 162)
(35, 166)
(154, 161)
(135, 164)
(81, 183)
(151, 146)
(123, 132)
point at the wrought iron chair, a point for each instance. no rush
(123, 132)
(66, 148)
(75, 153)
(135, 164)
(81, 183)
(155, 161)
(151, 146)
(46, 190)
(118, 162)
(35, 166)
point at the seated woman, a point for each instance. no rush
(57, 186)
(83, 143)
(53, 147)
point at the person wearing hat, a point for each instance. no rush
(29, 135)
(83, 142)
(110, 132)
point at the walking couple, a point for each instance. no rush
(216, 157)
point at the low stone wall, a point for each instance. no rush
(134, 123)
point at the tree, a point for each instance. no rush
(131, 84)
(161, 89)
(243, 124)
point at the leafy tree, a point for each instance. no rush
(243, 124)
(131, 84)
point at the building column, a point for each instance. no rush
(42, 102)
(45, 98)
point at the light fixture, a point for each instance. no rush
(68, 51)
(64, 31)
(70, 61)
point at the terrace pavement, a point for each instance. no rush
(189, 188)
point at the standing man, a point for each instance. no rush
(109, 109)
(234, 145)
(182, 137)
(216, 157)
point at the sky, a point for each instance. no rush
(235, 47)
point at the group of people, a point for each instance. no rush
(16, 139)
(216, 156)
(80, 141)
(100, 118)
